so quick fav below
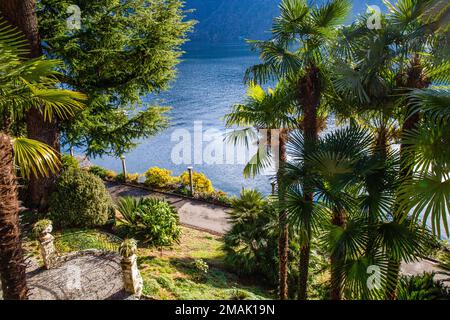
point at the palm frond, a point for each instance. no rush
(277, 62)
(34, 157)
(331, 15)
(426, 197)
(435, 103)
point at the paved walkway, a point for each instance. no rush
(91, 276)
(422, 266)
(195, 214)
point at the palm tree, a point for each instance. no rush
(272, 111)
(425, 195)
(22, 15)
(23, 85)
(354, 186)
(308, 31)
(251, 220)
(378, 68)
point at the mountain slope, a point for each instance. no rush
(231, 20)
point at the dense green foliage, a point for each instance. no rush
(150, 220)
(422, 287)
(251, 246)
(26, 84)
(98, 171)
(40, 226)
(69, 163)
(80, 200)
(124, 50)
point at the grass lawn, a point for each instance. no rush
(170, 273)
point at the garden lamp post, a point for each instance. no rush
(191, 180)
(72, 153)
(273, 183)
(124, 168)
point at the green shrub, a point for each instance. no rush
(80, 200)
(98, 171)
(159, 178)
(251, 245)
(201, 183)
(151, 220)
(217, 196)
(422, 287)
(110, 175)
(69, 163)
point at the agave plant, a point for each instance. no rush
(151, 220)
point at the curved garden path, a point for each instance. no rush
(195, 214)
(83, 276)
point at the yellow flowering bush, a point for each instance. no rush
(131, 177)
(159, 178)
(201, 182)
(110, 175)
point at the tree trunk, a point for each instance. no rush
(283, 239)
(415, 79)
(336, 259)
(309, 97)
(303, 273)
(22, 14)
(12, 267)
(392, 279)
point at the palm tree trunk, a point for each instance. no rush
(283, 240)
(415, 79)
(12, 266)
(392, 279)
(336, 260)
(22, 14)
(303, 272)
(309, 98)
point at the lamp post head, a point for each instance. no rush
(122, 157)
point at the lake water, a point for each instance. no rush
(209, 82)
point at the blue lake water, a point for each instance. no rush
(209, 82)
